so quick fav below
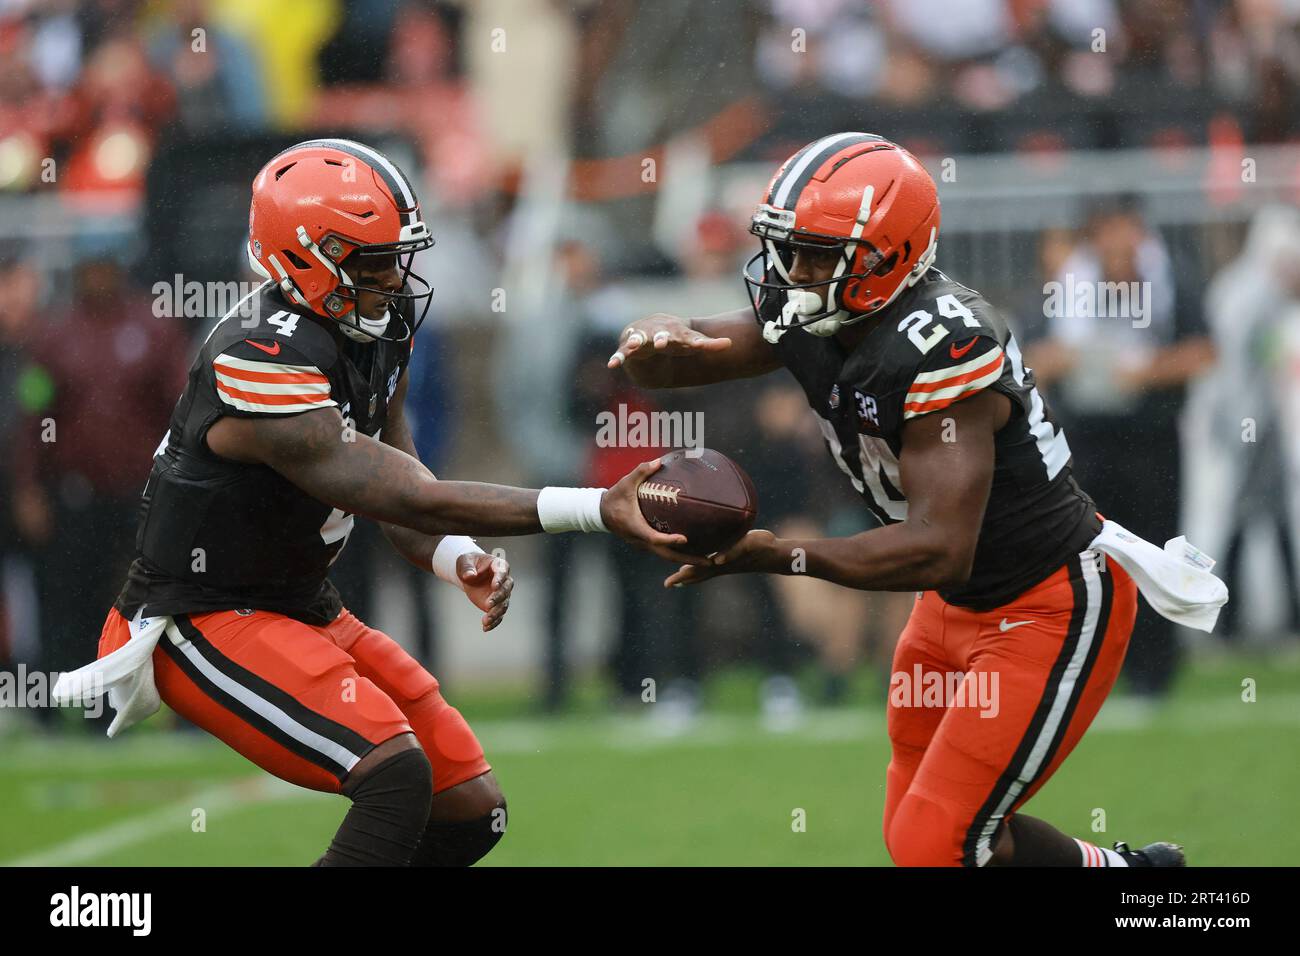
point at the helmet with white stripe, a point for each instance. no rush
(860, 194)
(319, 202)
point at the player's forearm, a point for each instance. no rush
(386, 485)
(415, 547)
(474, 508)
(895, 558)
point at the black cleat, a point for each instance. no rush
(1153, 854)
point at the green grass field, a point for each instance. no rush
(1220, 775)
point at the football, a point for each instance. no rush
(702, 494)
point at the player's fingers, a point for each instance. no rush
(501, 593)
(472, 572)
(495, 616)
(687, 574)
(677, 556)
(632, 340)
(662, 540)
(500, 573)
(707, 344)
(688, 340)
(646, 468)
(737, 550)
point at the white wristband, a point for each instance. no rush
(570, 509)
(449, 549)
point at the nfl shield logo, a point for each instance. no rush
(374, 402)
(835, 396)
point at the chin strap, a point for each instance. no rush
(357, 332)
(801, 302)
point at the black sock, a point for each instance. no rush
(1040, 844)
(390, 806)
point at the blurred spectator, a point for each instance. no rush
(522, 59)
(1123, 339)
(218, 80)
(781, 431)
(841, 47)
(1254, 58)
(537, 374)
(121, 103)
(112, 373)
(1055, 246)
(431, 414)
(1246, 305)
(488, 92)
(287, 37)
(416, 90)
(21, 521)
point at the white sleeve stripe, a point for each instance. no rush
(914, 407)
(979, 362)
(275, 388)
(245, 406)
(941, 393)
(271, 368)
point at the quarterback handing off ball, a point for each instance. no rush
(702, 494)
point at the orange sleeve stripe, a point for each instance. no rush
(258, 398)
(938, 403)
(995, 359)
(276, 378)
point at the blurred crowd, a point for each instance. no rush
(112, 106)
(95, 84)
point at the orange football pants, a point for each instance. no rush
(302, 702)
(1026, 679)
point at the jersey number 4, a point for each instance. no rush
(285, 323)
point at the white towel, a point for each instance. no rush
(1176, 581)
(126, 675)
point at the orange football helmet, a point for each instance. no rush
(315, 204)
(855, 191)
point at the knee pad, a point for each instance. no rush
(390, 807)
(463, 843)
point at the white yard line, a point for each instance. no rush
(215, 801)
(515, 737)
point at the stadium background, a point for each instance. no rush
(582, 164)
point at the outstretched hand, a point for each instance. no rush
(756, 551)
(665, 335)
(621, 512)
(487, 584)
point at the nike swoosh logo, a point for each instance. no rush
(959, 352)
(268, 351)
(1004, 626)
